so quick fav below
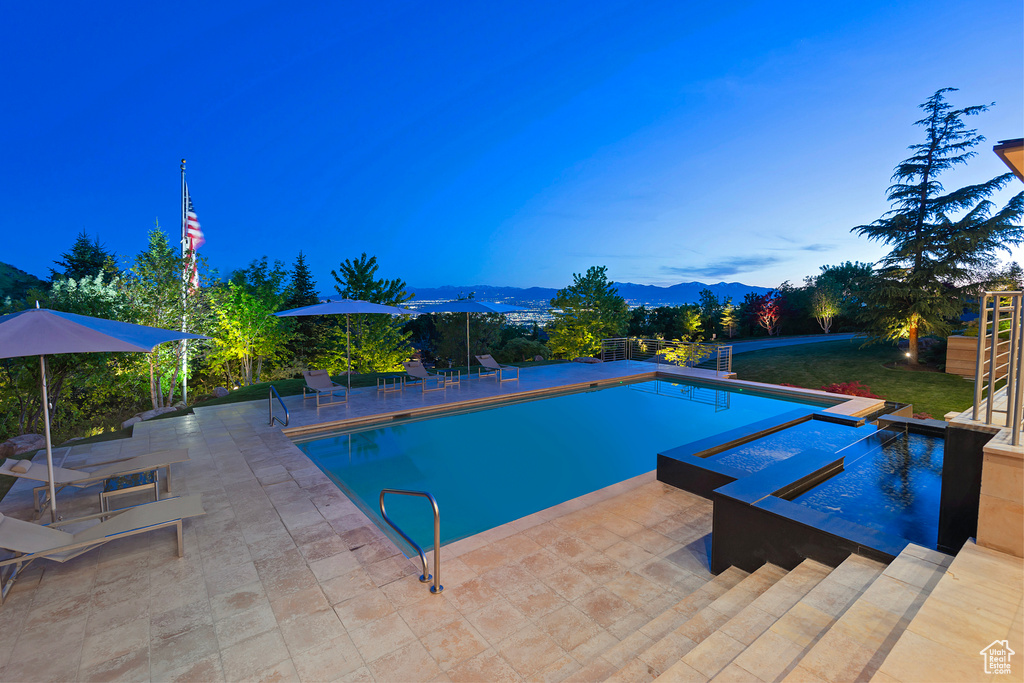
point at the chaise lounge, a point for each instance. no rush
(63, 476)
(490, 367)
(415, 369)
(320, 384)
(31, 541)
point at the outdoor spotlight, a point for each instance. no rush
(908, 354)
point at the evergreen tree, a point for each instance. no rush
(378, 342)
(937, 237)
(309, 333)
(587, 311)
(87, 258)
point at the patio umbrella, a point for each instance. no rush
(42, 332)
(345, 307)
(468, 306)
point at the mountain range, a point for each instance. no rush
(682, 293)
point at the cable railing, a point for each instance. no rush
(270, 402)
(999, 372)
(716, 357)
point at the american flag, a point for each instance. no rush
(192, 230)
(195, 237)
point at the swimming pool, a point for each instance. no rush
(894, 487)
(494, 465)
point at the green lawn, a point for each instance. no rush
(814, 365)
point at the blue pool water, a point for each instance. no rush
(894, 488)
(755, 455)
(491, 466)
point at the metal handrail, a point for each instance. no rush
(424, 577)
(270, 402)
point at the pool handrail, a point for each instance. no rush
(424, 577)
(270, 401)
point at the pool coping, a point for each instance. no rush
(851, 406)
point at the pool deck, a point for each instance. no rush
(285, 579)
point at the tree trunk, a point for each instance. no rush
(912, 344)
(152, 384)
(159, 394)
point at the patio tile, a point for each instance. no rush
(569, 627)
(328, 661)
(486, 666)
(347, 586)
(206, 670)
(130, 666)
(175, 652)
(240, 626)
(100, 646)
(361, 610)
(411, 662)
(310, 630)
(249, 658)
(382, 636)
(529, 650)
(497, 620)
(454, 644)
(603, 606)
(429, 614)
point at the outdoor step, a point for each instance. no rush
(670, 647)
(721, 647)
(857, 644)
(673, 617)
(778, 650)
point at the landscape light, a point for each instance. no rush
(908, 354)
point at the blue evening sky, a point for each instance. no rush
(489, 143)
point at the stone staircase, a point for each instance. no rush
(812, 623)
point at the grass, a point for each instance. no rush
(814, 365)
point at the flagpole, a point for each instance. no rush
(184, 288)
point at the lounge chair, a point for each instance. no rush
(63, 477)
(489, 367)
(415, 369)
(31, 541)
(320, 384)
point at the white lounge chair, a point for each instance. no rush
(30, 542)
(490, 367)
(320, 384)
(415, 369)
(63, 476)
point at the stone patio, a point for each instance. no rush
(284, 578)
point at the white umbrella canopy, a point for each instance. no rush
(42, 332)
(468, 306)
(346, 307)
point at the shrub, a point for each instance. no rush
(520, 349)
(853, 388)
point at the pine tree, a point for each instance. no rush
(87, 258)
(309, 332)
(937, 237)
(378, 342)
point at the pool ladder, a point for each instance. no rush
(424, 577)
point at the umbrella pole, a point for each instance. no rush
(348, 359)
(49, 449)
(467, 344)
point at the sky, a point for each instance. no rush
(490, 143)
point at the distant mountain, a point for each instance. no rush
(683, 293)
(15, 282)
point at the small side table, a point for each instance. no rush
(132, 483)
(451, 375)
(390, 384)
